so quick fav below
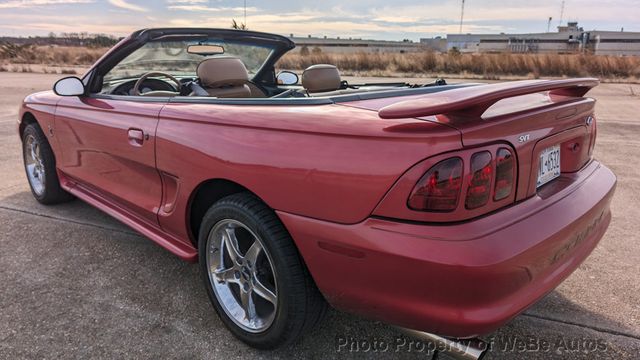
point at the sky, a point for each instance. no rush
(375, 19)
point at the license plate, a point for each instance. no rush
(549, 166)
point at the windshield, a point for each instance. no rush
(172, 57)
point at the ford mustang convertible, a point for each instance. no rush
(442, 209)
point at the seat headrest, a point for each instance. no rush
(222, 71)
(321, 78)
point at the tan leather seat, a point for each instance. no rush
(321, 78)
(224, 77)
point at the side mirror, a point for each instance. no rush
(69, 86)
(287, 78)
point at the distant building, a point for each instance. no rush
(336, 45)
(437, 43)
(568, 39)
(613, 42)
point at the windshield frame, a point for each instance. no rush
(264, 76)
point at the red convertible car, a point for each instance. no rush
(445, 209)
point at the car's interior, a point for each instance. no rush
(227, 77)
(214, 68)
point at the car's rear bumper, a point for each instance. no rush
(464, 279)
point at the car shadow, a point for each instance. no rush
(140, 298)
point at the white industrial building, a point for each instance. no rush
(338, 45)
(568, 39)
(614, 42)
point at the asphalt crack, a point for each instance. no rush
(590, 327)
(2, 207)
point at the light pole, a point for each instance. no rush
(461, 16)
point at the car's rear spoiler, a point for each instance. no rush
(473, 101)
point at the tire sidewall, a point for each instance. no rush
(49, 169)
(273, 335)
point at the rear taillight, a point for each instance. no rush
(468, 184)
(439, 188)
(479, 189)
(505, 164)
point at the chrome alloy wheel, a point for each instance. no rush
(34, 165)
(242, 275)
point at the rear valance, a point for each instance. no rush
(475, 100)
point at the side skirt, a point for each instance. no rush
(153, 232)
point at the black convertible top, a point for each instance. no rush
(255, 37)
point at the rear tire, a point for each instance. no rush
(40, 167)
(231, 231)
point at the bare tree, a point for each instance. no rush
(238, 26)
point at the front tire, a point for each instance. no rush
(40, 167)
(254, 276)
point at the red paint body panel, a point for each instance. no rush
(42, 106)
(458, 280)
(96, 150)
(299, 160)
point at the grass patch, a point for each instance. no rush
(50, 55)
(486, 66)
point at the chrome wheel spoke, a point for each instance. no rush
(231, 245)
(263, 292)
(226, 275)
(252, 254)
(248, 305)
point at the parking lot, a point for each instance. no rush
(75, 283)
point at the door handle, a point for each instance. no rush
(136, 137)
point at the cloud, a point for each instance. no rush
(17, 4)
(201, 8)
(378, 19)
(127, 6)
(327, 23)
(46, 27)
(187, 1)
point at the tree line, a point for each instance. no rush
(65, 39)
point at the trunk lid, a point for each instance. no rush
(530, 116)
